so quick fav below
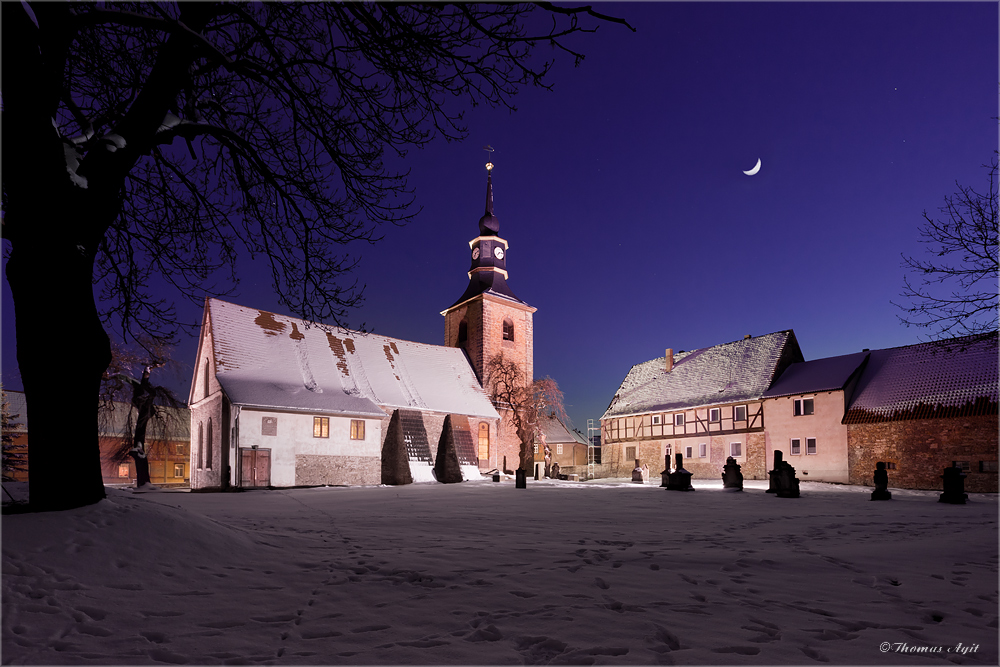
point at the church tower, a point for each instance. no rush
(488, 318)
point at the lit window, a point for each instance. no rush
(536, 447)
(484, 441)
(357, 429)
(178, 470)
(123, 470)
(890, 465)
(810, 445)
(679, 420)
(796, 446)
(803, 406)
(508, 330)
(714, 414)
(740, 413)
(702, 450)
(736, 449)
(559, 448)
(656, 420)
(321, 427)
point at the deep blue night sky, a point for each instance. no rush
(631, 225)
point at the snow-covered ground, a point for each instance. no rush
(483, 573)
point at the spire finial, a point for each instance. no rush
(488, 224)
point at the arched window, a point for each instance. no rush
(198, 452)
(208, 446)
(484, 440)
(206, 378)
(508, 330)
(463, 332)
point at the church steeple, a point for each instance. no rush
(488, 271)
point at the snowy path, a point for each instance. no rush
(482, 573)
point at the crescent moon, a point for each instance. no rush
(754, 170)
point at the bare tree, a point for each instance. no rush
(147, 405)
(522, 404)
(955, 292)
(147, 145)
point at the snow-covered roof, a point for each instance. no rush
(950, 378)
(556, 431)
(818, 375)
(727, 373)
(268, 360)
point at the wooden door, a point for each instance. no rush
(255, 466)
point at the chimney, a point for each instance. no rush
(747, 337)
(670, 358)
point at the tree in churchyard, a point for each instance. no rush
(15, 459)
(148, 405)
(147, 145)
(954, 292)
(524, 405)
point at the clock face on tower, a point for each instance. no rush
(475, 253)
(498, 252)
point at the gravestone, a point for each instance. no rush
(637, 473)
(788, 483)
(645, 473)
(520, 479)
(772, 475)
(732, 478)
(554, 471)
(665, 475)
(954, 486)
(679, 479)
(881, 480)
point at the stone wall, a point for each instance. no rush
(922, 448)
(316, 470)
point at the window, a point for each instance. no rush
(630, 453)
(987, 466)
(536, 448)
(666, 450)
(269, 426)
(656, 420)
(740, 413)
(559, 448)
(803, 406)
(963, 465)
(180, 450)
(687, 452)
(484, 440)
(702, 450)
(796, 446)
(357, 429)
(321, 427)
(206, 379)
(736, 449)
(679, 420)
(123, 470)
(508, 330)
(810, 445)
(714, 414)
(208, 445)
(463, 332)
(200, 440)
(890, 465)
(178, 470)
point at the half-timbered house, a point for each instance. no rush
(706, 404)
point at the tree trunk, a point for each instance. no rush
(62, 351)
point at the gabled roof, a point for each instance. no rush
(727, 373)
(956, 377)
(818, 375)
(557, 432)
(264, 359)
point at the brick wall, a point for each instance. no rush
(921, 449)
(313, 470)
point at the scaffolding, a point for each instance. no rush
(592, 430)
